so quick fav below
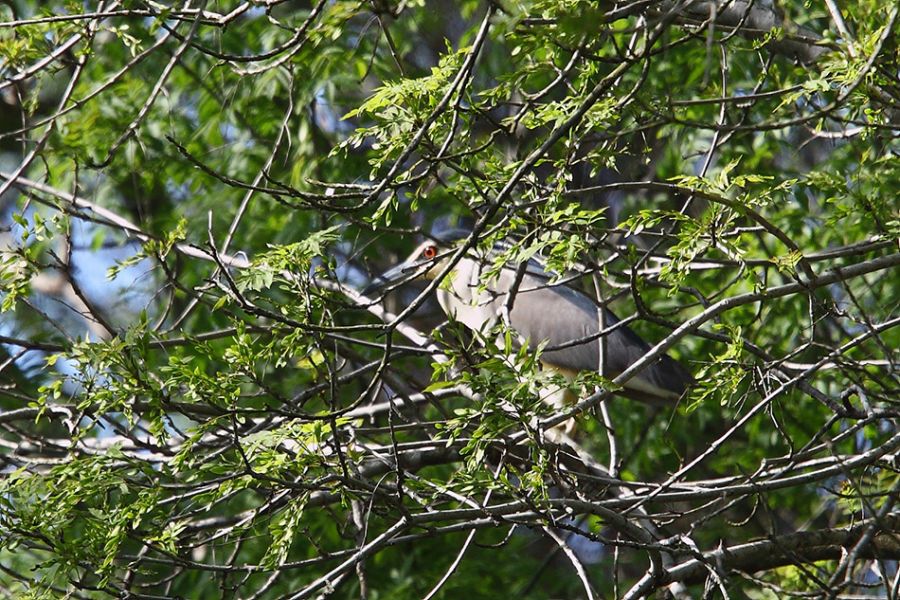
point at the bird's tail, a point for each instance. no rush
(662, 383)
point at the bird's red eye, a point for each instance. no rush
(429, 252)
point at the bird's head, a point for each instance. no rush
(425, 262)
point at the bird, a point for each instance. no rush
(546, 314)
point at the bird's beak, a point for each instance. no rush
(405, 271)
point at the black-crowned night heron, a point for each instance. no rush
(542, 312)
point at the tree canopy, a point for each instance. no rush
(197, 401)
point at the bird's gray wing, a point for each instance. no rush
(565, 317)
